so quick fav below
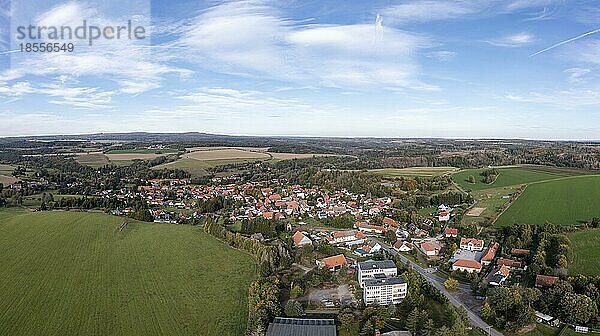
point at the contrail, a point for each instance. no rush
(566, 41)
(8, 52)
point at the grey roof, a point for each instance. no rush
(383, 281)
(372, 264)
(283, 326)
(397, 333)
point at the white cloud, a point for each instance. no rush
(524, 4)
(442, 55)
(252, 39)
(429, 10)
(513, 40)
(130, 64)
(564, 99)
(576, 75)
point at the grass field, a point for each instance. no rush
(6, 169)
(199, 168)
(225, 154)
(570, 200)
(414, 171)
(66, 273)
(586, 247)
(142, 151)
(508, 176)
(8, 180)
(491, 200)
(92, 159)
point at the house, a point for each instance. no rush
(369, 269)
(366, 227)
(348, 237)
(368, 249)
(451, 232)
(300, 239)
(388, 222)
(501, 274)
(333, 263)
(285, 326)
(257, 236)
(471, 244)
(430, 249)
(402, 246)
(267, 215)
(545, 280)
(489, 254)
(444, 216)
(383, 291)
(519, 252)
(509, 263)
(465, 265)
(397, 333)
(546, 319)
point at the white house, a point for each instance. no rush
(402, 246)
(370, 269)
(431, 249)
(466, 265)
(384, 291)
(471, 244)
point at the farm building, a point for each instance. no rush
(284, 326)
(465, 265)
(333, 263)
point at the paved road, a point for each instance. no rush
(438, 282)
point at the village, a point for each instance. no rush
(366, 244)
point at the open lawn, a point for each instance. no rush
(492, 202)
(508, 176)
(542, 330)
(414, 171)
(571, 200)
(586, 248)
(68, 273)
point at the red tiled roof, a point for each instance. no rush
(545, 280)
(334, 261)
(517, 251)
(451, 231)
(474, 241)
(509, 263)
(429, 246)
(490, 254)
(467, 264)
(297, 237)
(389, 221)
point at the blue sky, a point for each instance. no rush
(461, 69)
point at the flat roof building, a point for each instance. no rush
(284, 326)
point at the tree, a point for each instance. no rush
(595, 223)
(293, 308)
(390, 237)
(296, 291)
(577, 308)
(451, 284)
(471, 179)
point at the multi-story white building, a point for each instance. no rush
(384, 291)
(371, 269)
